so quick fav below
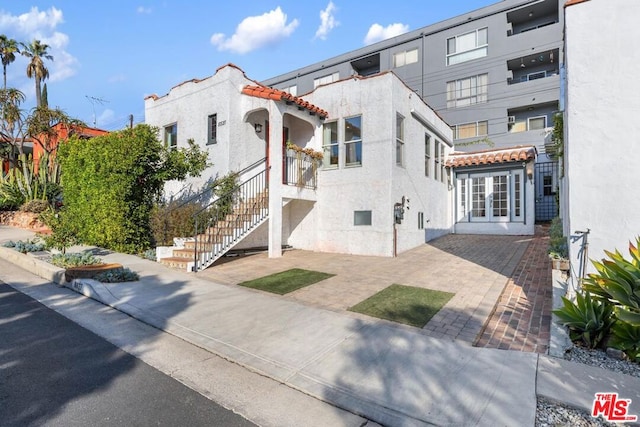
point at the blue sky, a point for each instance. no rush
(109, 55)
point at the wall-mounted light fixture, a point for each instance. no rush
(257, 127)
(529, 169)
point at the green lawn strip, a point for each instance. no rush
(286, 281)
(404, 304)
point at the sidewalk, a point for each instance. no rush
(394, 375)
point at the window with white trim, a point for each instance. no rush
(467, 91)
(171, 136)
(467, 46)
(330, 145)
(536, 123)
(470, 130)
(490, 196)
(442, 165)
(399, 140)
(326, 79)
(427, 154)
(436, 160)
(405, 58)
(353, 141)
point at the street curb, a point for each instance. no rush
(34, 265)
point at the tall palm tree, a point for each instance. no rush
(8, 50)
(37, 51)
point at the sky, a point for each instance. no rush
(109, 55)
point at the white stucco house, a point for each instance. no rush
(602, 153)
(389, 179)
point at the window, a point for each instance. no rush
(517, 191)
(326, 79)
(361, 217)
(293, 90)
(468, 46)
(427, 153)
(405, 58)
(436, 161)
(353, 141)
(213, 129)
(536, 123)
(330, 145)
(470, 130)
(469, 91)
(171, 136)
(478, 206)
(547, 185)
(420, 220)
(442, 170)
(399, 140)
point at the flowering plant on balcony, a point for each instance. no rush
(316, 155)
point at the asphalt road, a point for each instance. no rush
(56, 373)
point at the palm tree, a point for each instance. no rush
(8, 50)
(36, 69)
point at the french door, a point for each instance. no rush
(491, 197)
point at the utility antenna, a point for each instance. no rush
(95, 100)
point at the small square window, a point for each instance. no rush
(420, 220)
(361, 217)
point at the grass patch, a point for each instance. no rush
(286, 281)
(404, 304)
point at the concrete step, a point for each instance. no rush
(179, 263)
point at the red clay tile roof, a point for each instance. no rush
(514, 154)
(280, 95)
(572, 2)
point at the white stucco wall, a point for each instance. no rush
(601, 125)
(378, 183)
(190, 104)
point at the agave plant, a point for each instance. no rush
(27, 182)
(587, 319)
(626, 337)
(618, 281)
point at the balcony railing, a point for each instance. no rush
(300, 169)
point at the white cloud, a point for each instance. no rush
(255, 32)
(144, 10)
(327, 21)
(377, 32)
(41, 25)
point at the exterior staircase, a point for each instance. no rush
(223, 224)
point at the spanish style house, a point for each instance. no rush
(388, 179)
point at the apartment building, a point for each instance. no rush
(492, 74)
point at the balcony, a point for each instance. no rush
(532, 17)
(300, 168)
(533, 67)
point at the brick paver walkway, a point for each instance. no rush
(522, 317)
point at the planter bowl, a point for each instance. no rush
(89, 271)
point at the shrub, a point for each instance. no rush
(172, 220)
(117, 275)
(618, 281)
(626, 337)
(557, 242)
(112, 182)
(25, 246)
(75, 259)
(587, 319)
(25, 182)
(62, 236)
(35, 206)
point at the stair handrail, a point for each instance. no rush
(210, 188)
(258, 183)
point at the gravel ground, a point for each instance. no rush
(551, 414)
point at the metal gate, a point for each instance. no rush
(546, 181)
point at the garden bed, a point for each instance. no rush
(89, 271)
